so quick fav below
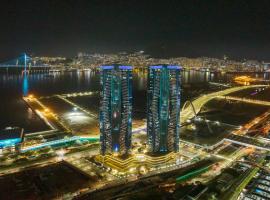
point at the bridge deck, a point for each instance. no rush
(253, 101)
(187, 111)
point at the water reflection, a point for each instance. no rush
(12, 86)
(25, 84)
(193, 76)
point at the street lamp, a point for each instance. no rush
(61, 154)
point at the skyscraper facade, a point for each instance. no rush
(116, 109)
(163, 108)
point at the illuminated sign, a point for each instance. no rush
(9, 142)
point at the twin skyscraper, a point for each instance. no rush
(163, 108)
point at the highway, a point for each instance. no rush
(240, 136)
(246, 100)
(187, 111)
(246, 143)
(78, 107)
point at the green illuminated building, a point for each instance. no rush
(116, 109)
(163, 108)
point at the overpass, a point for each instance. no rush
(220, 84)
(248, 142)
(189, 112)
(254, 164)
(246, 100)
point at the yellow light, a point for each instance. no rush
(132, 169)
(46, 110)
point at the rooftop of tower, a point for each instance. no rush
(116, 66)
(159, 66)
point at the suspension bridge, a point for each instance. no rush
(24, 62)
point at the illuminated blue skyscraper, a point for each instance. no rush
(116, 109)
(163, 108)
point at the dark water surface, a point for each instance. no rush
(14, 112)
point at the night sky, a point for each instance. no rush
(239, 29)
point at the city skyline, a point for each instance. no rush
(179, 28)
(135, 100)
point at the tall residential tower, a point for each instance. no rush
(116, 109)
(163, 108)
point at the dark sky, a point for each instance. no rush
(239, 29)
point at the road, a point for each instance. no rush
(253, 101)
(240, 136)
(91, 114)
(187, 112)
(48, 161)
(57, 142)
(50, 118)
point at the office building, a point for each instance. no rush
(11, 139)
(116, 109)
(163, 108)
